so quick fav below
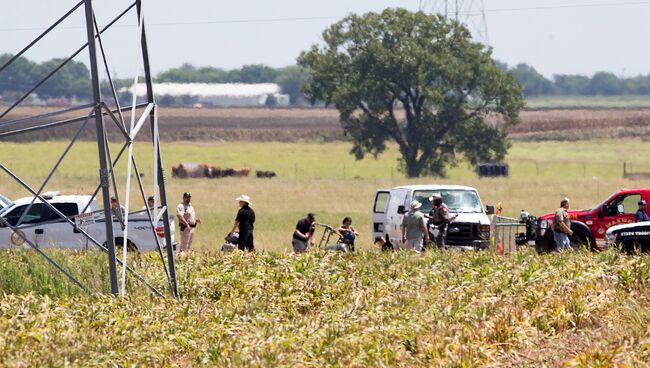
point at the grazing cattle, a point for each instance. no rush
(265, 174)
(213, 172)
(196, 170)
(241, 172)
(189, 170)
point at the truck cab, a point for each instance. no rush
(470, 229)
(590, 225)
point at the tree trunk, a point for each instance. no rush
(413, 168)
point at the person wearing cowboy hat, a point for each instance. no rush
(244, 221)
(414, 229)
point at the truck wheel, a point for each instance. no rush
(130, 246)
(636, 247)
(581, 237)
(546, 243)
(578, 241)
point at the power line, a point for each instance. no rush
(302, 19)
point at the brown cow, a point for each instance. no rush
(242, 172)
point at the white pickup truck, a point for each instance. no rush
(46, 228)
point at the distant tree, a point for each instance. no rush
(73, 80)
(21, 75)
(638, 85)
(445, 85)
(290, 79)
(572, 85)
(187, 73)
(534, 83)
(607, 84)
(257, 74)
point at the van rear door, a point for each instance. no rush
(379, 213)
(398, 197)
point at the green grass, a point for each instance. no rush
(364, 309)
(628, 101)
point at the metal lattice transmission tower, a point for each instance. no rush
(469, 12)
(106, 111)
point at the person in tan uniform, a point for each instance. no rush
(187, 221)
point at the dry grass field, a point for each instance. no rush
(319, 124)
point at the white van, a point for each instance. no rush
(470, 229)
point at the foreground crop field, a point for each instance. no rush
(326, 309)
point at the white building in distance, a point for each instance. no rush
(217, 94)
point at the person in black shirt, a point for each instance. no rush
(304, 233)
(244, 221)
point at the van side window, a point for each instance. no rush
(381, 200)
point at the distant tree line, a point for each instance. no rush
(600, 84)
(73, 80)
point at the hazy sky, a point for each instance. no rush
(554, 36)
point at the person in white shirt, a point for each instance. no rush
(187, 221)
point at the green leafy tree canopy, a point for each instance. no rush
(416, 79)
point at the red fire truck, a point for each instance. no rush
(590, 226)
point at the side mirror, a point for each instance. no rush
(600, 213)
(489, 209)
(400, 210)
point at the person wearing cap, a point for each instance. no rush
(303, 235)
(244, 222)
(414, 229)
(187, 221)
(641, 214)
(562, 227)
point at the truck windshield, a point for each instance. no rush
(458, 200)
(602, 203)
